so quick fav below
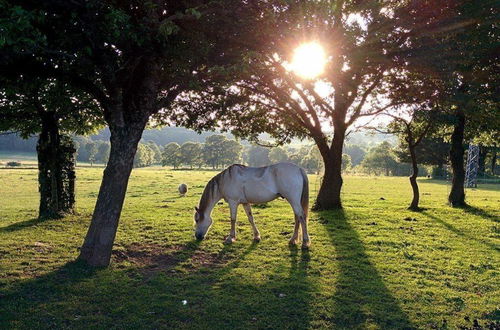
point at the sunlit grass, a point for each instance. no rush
(375, 264)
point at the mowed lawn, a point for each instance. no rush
(372, 265)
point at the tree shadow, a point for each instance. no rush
(461, 233)
(181, 286)
(23, 224)
(482, 213)
(361, 298)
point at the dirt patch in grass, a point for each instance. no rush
(154, 258)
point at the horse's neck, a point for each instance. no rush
(211, 203)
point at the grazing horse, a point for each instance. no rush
(239, 184)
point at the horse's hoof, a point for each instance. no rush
(306, 245)
(230, 240)
(293, 241)
(256, 239)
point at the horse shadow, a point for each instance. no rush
(361, 298)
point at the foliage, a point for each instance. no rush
(380, 160)
(277, 155)
(102, 154)
(191, 154)
(145, 156)
(14, 164)
(91, 149)
(346, 162)
(171, 155)
(368, 267)
(356, 152)
(257, 156)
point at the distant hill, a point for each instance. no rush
(165, 135)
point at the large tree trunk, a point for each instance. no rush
(56, 173)
(329, 192)
(413, 180)
(457, 193)
(96, 249)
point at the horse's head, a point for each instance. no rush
(202, 224)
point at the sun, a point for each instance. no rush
(309, 60)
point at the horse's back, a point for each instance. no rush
(261, 184)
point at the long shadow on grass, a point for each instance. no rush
(76, 295)
(361, 298)
(241, 294)
(482, 213)
(22, 225)
(462, 233)
(181, 287)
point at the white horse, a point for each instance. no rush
(239, 184)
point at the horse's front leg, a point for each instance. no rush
(233, 209)
(248, 211)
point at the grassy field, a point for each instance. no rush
(372, 265)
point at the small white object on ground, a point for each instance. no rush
(281, 295)
(184, 302)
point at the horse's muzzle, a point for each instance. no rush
(199, 237)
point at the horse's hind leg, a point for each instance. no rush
(233, 208)
(306, 241)
(248, 211)
(295, 237)
(300, 218)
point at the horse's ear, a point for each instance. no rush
(197, 209)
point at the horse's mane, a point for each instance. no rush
(213, 185)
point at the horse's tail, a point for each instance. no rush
(304, 197)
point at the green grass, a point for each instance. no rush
(372, 265)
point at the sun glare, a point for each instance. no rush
(309, 60)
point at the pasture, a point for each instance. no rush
(372, 265)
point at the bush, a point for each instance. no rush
(13, 164)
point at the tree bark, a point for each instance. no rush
(413, 180)
(98, 244)
(329, 192)
(457, 193)
(55, 169)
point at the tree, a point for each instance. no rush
(91, 149)
(191, 153)
(134, 58)
(412, 125)
(103, 152)
(157, 152)
(380, 159)
(277, 155)
(346, 162)
(144, 156)
(213, 150)
(362, 41)
(432, 150)
(171, 155)
(232, 152)
(312, 161)
(355, 152)
(257, 156)
(53, 110)
(458, 51)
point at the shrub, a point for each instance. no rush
(13, 164)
